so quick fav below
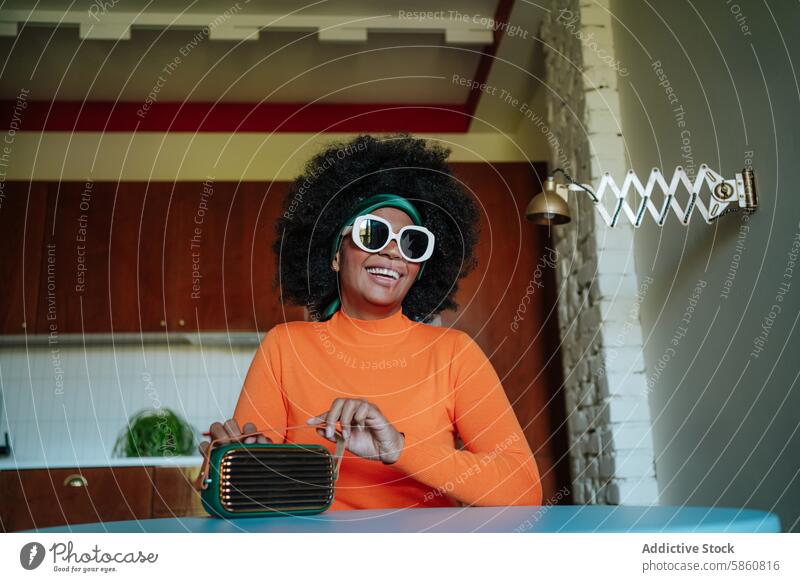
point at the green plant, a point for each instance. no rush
(155, 433)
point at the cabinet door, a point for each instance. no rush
(220, 258)
(103, 268)
(174, 494)
(145, 257)
(138, 273)
(73, 291)
(45, 498)
(23, 206)
(264, 202)
(196, 226)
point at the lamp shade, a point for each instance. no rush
(548, 207)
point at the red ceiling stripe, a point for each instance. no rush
(74, 116)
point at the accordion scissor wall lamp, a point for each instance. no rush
(710, 194)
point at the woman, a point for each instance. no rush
(374, 238)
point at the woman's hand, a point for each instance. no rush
(226, 433)
(367, 432)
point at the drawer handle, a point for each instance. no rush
(75, 481)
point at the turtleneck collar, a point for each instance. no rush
(370, 332)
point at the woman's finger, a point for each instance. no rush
(333, 416)
(218, 432)
(247, 429)
(375, 419)
(232, 428)
(360, 416)
(322, 433)
(346, 418)
(204, 447)
(264, 440)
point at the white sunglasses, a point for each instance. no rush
(373, 234)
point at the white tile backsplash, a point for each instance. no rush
(103, 387)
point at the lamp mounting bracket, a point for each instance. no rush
(722, 194)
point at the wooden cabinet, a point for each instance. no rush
(174, 494)
(87, 250)
(220, 258)
(23, 207)
(139, 257)
(41, 498)
(73, 294)
(139, 246)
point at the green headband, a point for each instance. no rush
(365, 207)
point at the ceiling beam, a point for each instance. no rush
(232, 25)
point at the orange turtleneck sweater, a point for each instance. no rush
(430, 382)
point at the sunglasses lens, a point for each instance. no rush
(373, 234)
(413, 244)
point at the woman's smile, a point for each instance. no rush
(383, 276)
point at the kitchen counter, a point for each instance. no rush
(20, 464)
(549, 519)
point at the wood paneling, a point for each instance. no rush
(514, 261)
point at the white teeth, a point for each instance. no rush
(382, 271)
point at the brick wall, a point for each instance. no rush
(606, 390)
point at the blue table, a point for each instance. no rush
(553, 519)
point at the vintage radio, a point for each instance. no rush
(258, 480)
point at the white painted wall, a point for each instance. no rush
(724, 395)
(66, 406)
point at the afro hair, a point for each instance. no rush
(342, 175)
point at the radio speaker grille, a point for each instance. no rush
(276, 480)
